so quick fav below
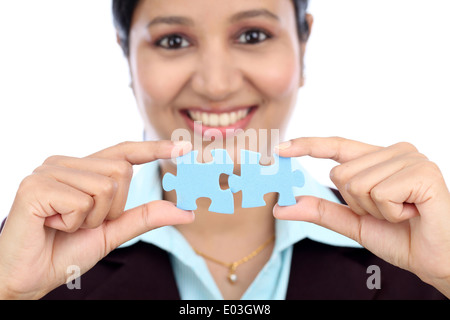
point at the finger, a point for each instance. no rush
(335, 148)
(101, 188)
(376, 235)
(349, 169)
(137, 153)
(399, 196)
(360, 186)
(120, 171)
(63, 207)
(139, 220)
(338, 149)
(337, 217)
(116, 162)
(44, 202)
(356, 178)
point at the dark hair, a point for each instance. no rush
(123, 11)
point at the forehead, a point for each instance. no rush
(204, 11)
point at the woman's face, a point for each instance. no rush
(231, 64)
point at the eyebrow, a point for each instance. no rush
(184, 21)
(253, 14)
(171, 20)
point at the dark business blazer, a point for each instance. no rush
(318, 271)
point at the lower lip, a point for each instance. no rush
(228, 131)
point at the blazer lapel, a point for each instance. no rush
(319, 271)
(139, 272)
(145, 274)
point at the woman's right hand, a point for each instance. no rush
(70, 211)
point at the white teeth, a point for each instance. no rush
(224, 119)
(203, 117)
(216, 119)
(233, 117)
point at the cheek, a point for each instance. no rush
(156, 80)
(278, 76)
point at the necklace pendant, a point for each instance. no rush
(232, 277)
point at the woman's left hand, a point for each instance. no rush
(398, 203)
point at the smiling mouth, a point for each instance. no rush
(237, 118)
(219, 119)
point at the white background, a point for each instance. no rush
(377, 71)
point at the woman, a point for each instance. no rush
(234, 65)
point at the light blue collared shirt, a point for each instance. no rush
(192, 275)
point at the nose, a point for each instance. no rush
(217, 75)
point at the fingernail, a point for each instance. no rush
(284, 145)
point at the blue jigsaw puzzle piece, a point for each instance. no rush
(256, 180)
(197, 180)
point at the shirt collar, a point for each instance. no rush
(146, 187)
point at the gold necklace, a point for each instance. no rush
(232, 277)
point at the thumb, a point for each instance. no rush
(327, 214)
(142, 219)
(377, 236)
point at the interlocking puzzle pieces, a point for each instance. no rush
(256, 180)
(197, 180)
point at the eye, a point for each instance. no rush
(173, 42)
(253, 36)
